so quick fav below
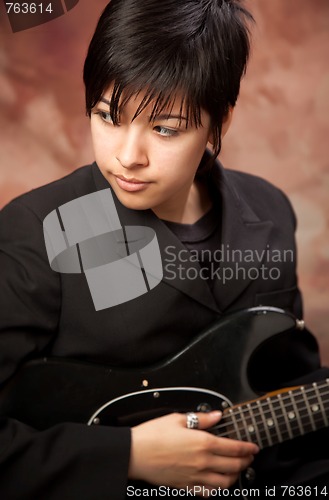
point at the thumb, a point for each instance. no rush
(208, 419)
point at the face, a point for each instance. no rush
(149, 165)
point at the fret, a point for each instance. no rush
(299, 422)
(224, 428)
(244, 423)
(308, 408)
(255, 426)
(326, 392)
(282, 419)
(270, 419)
(302, 411)
(315, 407)
(291, 413)
(275, 419)
(319, 399)
(264, 422)
(250, 424)
(260, 424)
(288, 425)
(236, 426)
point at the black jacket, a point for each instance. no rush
(47, 313)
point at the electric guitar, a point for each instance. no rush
(209, 373)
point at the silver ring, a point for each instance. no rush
(192, 420)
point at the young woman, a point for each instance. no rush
(162, 79)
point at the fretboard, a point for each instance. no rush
(278, 417)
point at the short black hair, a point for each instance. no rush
(198, 48)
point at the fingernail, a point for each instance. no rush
(217, 413)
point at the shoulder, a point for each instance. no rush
(267, 202)
(42, 200)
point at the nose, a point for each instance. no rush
(133, 151)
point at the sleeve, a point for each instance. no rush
(301, 352)
(292, 357)
(287, 360)
(67, 460)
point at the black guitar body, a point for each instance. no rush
(209, 373)
(212, 372)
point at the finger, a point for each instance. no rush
(223, 481)
(206, 420)
(232, 448)
(228, 465)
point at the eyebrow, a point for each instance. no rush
(163, 116)
(169, 116)
(105, 100)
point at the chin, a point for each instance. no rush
(133, 203)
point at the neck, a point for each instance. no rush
(190, 208)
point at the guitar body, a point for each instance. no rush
(209, 373)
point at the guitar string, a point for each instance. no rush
(245, 408)
(262, 436)
(291, 422)
(293, 425)
(256, 411)
(239, 410)
(284, 397)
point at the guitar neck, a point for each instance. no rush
(278, 416)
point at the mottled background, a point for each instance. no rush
(280, 129)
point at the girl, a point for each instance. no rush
(161, 79)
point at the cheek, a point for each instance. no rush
(178, 163)
(95, 138)
(101, 146)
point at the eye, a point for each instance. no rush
(105, 116)
(165, 132)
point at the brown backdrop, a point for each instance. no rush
(280, 129)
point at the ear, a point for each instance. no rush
(227, 121)
(225, 125)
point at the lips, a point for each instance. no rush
(130, 185)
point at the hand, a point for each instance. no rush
(165, 452)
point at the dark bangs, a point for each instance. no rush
(161, 98)
(136, 49)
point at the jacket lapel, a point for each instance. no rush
(244, 238)
(241, 230)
